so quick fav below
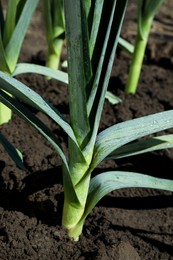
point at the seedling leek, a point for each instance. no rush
(89, 69)
(147, 10)
(13, 28)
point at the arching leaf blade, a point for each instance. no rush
(30, 97)
(22, 68)
(25, 114)
(143, 146)
(118, 135)
(106, 182)
(29, 117)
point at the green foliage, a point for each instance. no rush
(91, 46)
(15, 17)
(13, 27)
(13, 30)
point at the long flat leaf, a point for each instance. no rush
(118, 135)
(143, 146)
(106, 182)
(22, 68)
(100, 83)
(14, 45)
(25, 114)
(62, 77)
(10, 21)
(28, 96)
(99, 67)
(78, 65)
(95, 24)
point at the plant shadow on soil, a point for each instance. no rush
(126, 224)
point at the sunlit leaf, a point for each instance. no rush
(112, 98)
(143, 146)
(23, 68)
(30, 97)
(127, 46)
(106, 182)
(120, 134)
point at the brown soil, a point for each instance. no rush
(127, 224)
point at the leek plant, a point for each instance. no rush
(13, 27)
(91, 50)
(147, 10)
(55, 31)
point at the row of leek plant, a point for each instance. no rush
(91, 50)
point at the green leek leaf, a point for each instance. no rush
(10, 21)
(14, 45)
(127, 46)
(143, 146)
(106, 182)
(25, 114)
(79, 67)
(120, 134)
(22, 68)
(95, 24)
(100, 82)
(28, 96)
